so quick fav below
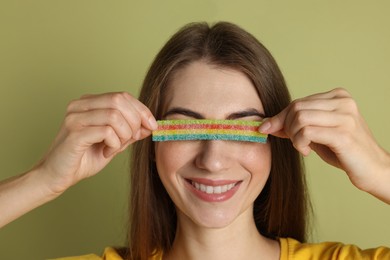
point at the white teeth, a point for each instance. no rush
(213, 189)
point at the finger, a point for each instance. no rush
(317, 104)
(89, 136)
(340, 104)
(138, 116)
(318, 118)
(334, 93)
(330, 101)
(274, 125)
(302, 140)
(130, 107)
(122, 102)
(97, 101)
(147, 118)
(145, 133)
(324, 136)
(101, 117)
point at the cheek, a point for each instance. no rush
(165, 156)
(256, 155)
(257, 161)
(170, 157)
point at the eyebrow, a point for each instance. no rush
(196, 115)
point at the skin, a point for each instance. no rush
(206, 229)
(97, 127)
(313, 122)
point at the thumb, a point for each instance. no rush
(274, 125)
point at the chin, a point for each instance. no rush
(213, 219)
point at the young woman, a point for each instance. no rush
(253, 201)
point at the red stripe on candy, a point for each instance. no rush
(208, 126)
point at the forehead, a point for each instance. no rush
(208, 88)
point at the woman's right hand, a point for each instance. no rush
(95, 129)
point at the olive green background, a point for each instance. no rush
(54, 51)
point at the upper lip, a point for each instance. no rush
(210, 182)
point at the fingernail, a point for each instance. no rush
(152, 123)
(265, 125)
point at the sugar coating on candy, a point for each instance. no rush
(206, 129)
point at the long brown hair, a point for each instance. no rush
(281, 208)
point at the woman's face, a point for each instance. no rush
(212, 183)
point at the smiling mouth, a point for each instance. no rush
(213, 189)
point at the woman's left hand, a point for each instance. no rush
(330, 124)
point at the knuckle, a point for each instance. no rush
(341, 92)
(69, 121)
(144, 113)
(108, 131)
(351, 105)
(113, 116)
(126, 95)
(297, 105)
(135, 121)
(301, 117)
(70, 106)
(85, 96)
(116, 99)
(116, 144)
(306, 131)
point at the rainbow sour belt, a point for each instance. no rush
(204, 129)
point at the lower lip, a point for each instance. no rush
(213, 197)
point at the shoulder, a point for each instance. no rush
(109, 254)
(293, 249)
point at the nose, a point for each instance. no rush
(214, 156)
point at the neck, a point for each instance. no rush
(238, 240)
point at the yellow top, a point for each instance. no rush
(290, 249)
